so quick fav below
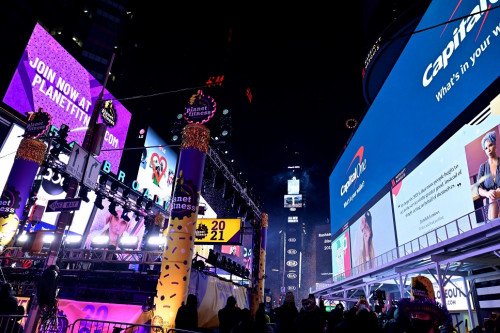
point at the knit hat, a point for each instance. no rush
(423, 300)
(308, 304)
(289, 298)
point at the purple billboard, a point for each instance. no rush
(48, 77)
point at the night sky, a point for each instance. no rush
(303, 67)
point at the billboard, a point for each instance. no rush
(293, 186)
(48, 77)
(157, 168)
(115, 228)
(440, 72)
(372, 234)
(341, 254)
(241, 254)
(293, 201)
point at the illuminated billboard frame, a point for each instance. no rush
(48, 77)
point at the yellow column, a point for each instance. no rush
(173, 283)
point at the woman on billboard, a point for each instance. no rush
(488, 181)
(365, 251)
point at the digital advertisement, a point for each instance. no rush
(115, 228)
(341, 255)
(372, 234)
(441, 71)
(48, 77)
(157, 169)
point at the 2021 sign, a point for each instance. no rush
(221, 231)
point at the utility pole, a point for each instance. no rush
(65, 218)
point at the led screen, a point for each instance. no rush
(440, 72)
(372, 234)
(341, 255)
(293, 186)
(294, 200)
(48, 77)
(157, 168)
(105, 224)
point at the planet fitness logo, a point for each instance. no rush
(9, 202)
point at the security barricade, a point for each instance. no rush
(100, 326)
(12, 324)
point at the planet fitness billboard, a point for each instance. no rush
(49, 77)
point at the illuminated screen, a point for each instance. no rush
(453, 176)
(293, 186)
(242, 254)
(294, 200)
(105, 224)
(49, 77)
(418, 100)
(341, 255)
(372, 234)
(51, 189)
(157, 168)
(8, 152)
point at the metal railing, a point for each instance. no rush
(452, 229)
(12, 324)
(101, 326)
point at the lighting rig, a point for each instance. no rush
(107, 186)
(217, 260)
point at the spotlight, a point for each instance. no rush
(149, 204)
(112, 208)
(56, 176)
(129, 242)
(83, 193)
(139, 201)
(73, 241)
(213, 257)
(199, 265)
(156, 242)
(103, 179)
(98, 201)
(126, 192)
(114, 186)
(247, 273)
(65, 183)
(100, 242)
(125, 215)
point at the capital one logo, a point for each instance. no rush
(464, 29)
(291, 276)
(292, 240)
(291, 251)
(292, 263)
(356, 170)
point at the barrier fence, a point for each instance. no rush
(100, 326)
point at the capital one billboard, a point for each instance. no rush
(49, 77)
(441, 71)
